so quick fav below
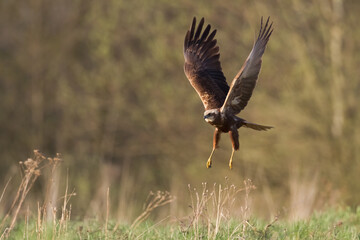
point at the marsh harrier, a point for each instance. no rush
(221, 102)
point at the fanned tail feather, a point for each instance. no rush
(256, 126)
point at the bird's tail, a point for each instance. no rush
(256, 126)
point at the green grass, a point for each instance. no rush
(332, 224)
(215, 212)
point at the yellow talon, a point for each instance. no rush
(231, 159)
(209, 162)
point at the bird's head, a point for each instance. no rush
(211, 115)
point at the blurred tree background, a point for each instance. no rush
(102, 83)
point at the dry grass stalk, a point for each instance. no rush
(270, 225)
(51, 189)
(43, 210)
(54, 210)
(6, 185)
(107, 213)
(26, 232)
(152, 227)
(154, 200)
(31, 169)
(65, 211)
(39, 225)
(245, 210)
(199, 207)
(211, 208)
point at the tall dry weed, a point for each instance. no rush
(154, 200)
(31, 169)
(212, 208)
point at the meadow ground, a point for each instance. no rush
(215, 212)
(332, 224)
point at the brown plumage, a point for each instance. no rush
(203, 69)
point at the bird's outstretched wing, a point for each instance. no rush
(244, 83)
(202, 66)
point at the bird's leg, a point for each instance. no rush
(209, 161)
(234, 136)
(215, 145)
(231, 158)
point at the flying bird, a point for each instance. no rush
(222, 103)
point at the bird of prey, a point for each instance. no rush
(222, 103)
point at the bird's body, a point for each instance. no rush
(221, 102)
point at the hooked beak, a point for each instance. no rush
(208, 118)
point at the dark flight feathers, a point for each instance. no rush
(202, 66)
(203, 69)
(244, 83)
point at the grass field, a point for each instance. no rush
(215, 212)
(333, 224)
